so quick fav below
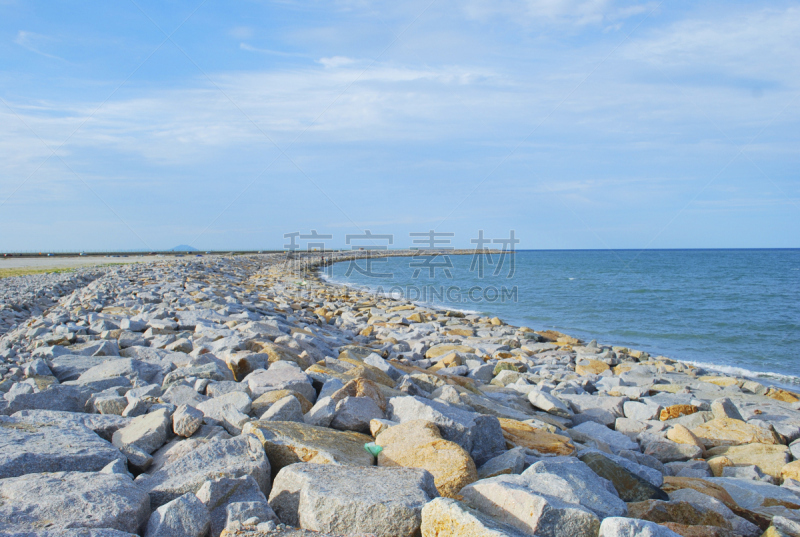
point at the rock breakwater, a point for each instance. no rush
(235, 396)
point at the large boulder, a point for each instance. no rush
(57, 397)
(104, 425)
(287, 442)
(633, 482)
(62, 500)
(590, 432)
(236, 457)
(386, 502)
(479, 434)
(520, 434)
(770, 458)
(510, 500)
(726, 431)
(71, 366)
(418, 444)
(29, 448)
(148, 432)
(218, 494)
(133, 370)
(445, 517)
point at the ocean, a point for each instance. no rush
(734, 311)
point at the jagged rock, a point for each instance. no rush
(218, 494)
(770, 458)
(590, 431)
(510, 462)
(103, 425)
(184, 516)
(286, 409)
(148, 432)
(58, 397)
(288, 442)
(281, 376)
(239, 456)
(386, 502)
(732, 432)
(630, 527)
(186, 420)
(62, 500)
(29, 448)
(355, 413)
(630, 486)
(519, 434)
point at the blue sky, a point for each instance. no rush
(576, 123)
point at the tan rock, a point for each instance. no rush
(671, 484)
(418, 444)
(444, 517)
(783, 395)
(791, 471)
(366, 332)
(769, 457)
(495, 321)
(720, 381)
(519, 434)
(266, 400)
(376, 427)
(591, 367)
(450, 360)
(623, 368)
(681, 435)
(438, 350)
(463, 332)
(718, 464)
(288, 442)
(676, 411)
(731, 432)
(361, 388)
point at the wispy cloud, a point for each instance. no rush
(34, 42)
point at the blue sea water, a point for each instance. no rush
(737, 311)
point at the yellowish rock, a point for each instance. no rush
(623, 368)
(791, 471)
(416, 318)
(463, 332)
(450, 360)
(438, 350)
(676, 411)
(681, 435)
(495, 321)
(287, 442)
(718, 464)
(419, 444)
(591, 367)
(376, 427)
(668, 388)
(731, 432)
(720, 381)
(769, 457)
(361, 388)
(366, 332)
(783, 395)
(266, 400)
(520, 434)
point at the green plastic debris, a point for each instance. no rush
(373, 448)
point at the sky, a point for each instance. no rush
(143, 124)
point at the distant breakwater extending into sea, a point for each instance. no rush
(736, 311)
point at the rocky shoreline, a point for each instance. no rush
(243, 396)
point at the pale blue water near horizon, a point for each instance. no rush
(737, 311)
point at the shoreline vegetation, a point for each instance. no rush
(244, 395)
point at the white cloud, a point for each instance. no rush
(34, 42)
(575, 12)
(336, 61)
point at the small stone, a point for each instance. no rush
(681, 435)
(148, 432)
(186, 420)
(676, 411)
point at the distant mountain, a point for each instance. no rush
(183, 248)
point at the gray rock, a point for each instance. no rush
(641, 410)
(376, 361)
(666, 450)
(322, 413)
(186, 420)
(549, 403)
(590, 431)
(28, 448)
(139, 460)
(56, 397)
(724, 408)
(386, 502)
(690, 468)
(110, 404)
(62, 500)
(572, 481)
(281, 376)
(104, 425)
(480, 435)
(633, 527)
(215, 370)
(251, 512)
(286, 409)
(71, 366)
(148, 432)
(134, 370)
(240, 456)
(510, 500)
(185, 516)
(755, 494)
(626, 476)
(510, 462)
(750, 472)
(355, 413)
(237, 399)
(330, 387)
(178, 394)
(217, 494)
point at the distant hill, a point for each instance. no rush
(183, 248)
